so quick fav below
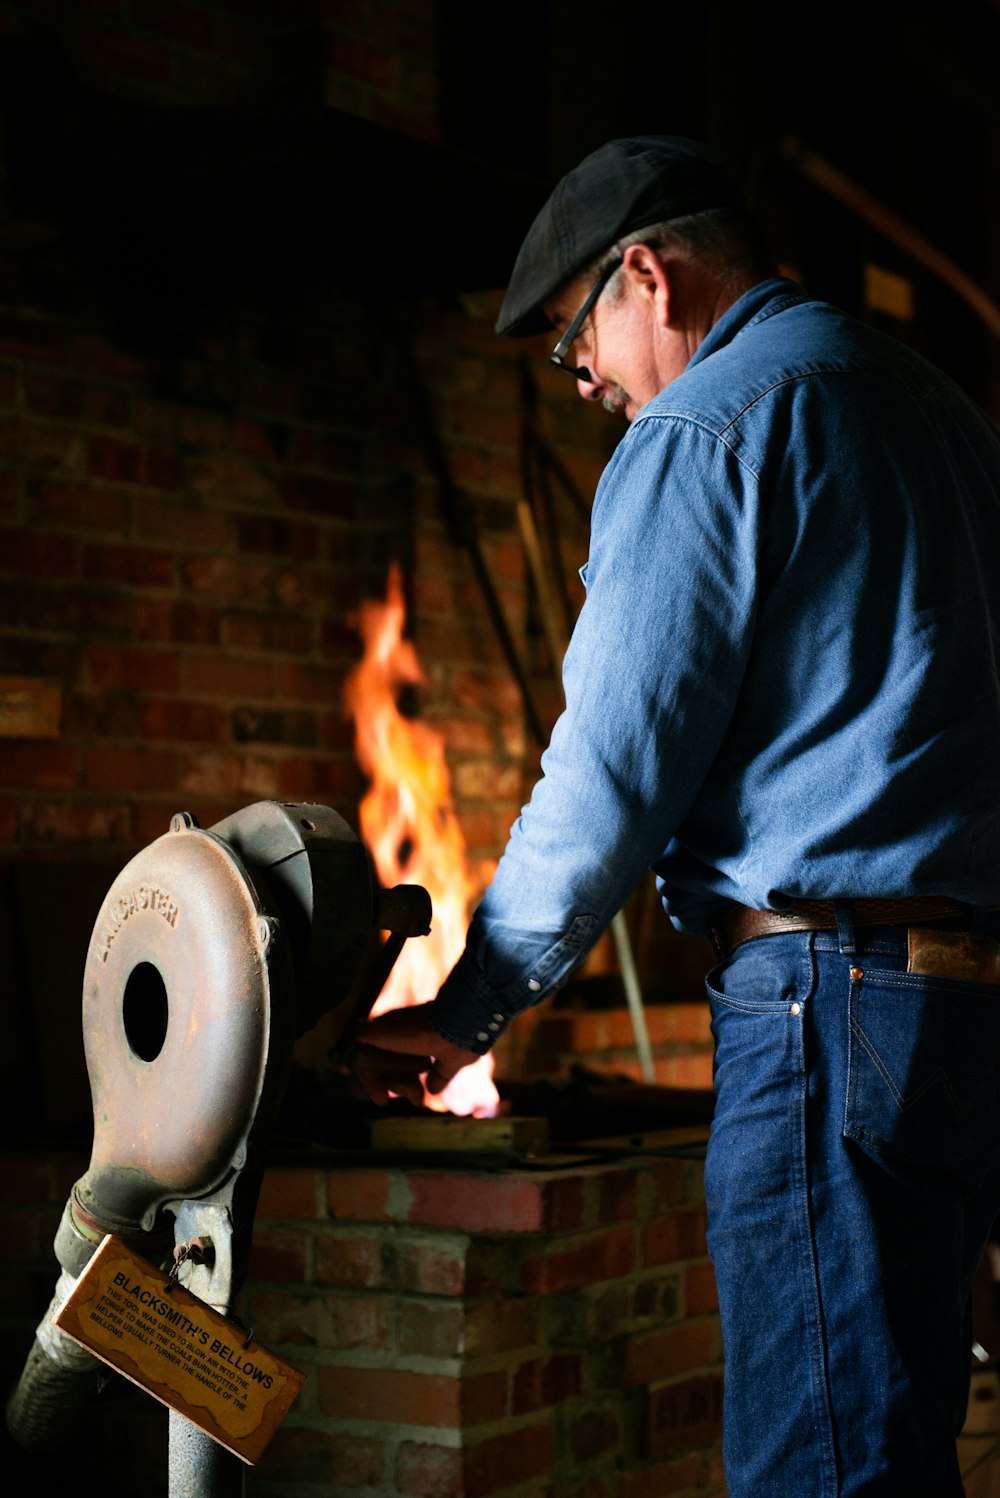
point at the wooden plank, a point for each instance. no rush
(445, 1132)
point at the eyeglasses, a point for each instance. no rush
(558, 354)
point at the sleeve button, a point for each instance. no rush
(482, 1035)
(534, 985)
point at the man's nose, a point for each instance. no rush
(589, 385)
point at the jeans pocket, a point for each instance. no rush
(924, 1064)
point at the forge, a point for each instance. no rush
(474, 1302)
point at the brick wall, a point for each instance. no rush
(188, 522)
(464, 1331)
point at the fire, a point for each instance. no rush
(409, 825)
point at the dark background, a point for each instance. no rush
(167, 213)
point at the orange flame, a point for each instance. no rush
(409, 825)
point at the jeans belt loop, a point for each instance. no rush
(845, 926)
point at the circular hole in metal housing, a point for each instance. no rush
(145, 1011)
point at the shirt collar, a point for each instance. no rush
(754, 306)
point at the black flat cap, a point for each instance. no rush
(624, 185)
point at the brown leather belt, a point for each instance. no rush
(738, 923)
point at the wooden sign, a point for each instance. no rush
(180, 1350)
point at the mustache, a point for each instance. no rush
(615, 400)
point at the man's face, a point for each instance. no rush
(618, 344)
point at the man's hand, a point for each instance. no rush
(398, 1048)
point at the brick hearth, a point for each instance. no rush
(543, 1328)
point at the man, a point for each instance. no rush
(782, 695)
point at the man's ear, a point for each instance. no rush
(650, 279)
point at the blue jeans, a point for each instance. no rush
(852, 1178)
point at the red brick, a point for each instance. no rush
(546, 1381)
(487, 421)
(429, 1266)
(594, 1432)
(325, 780)
(357, 1461)
(391, 1395)
(679, 1236)
(334, 1322)
(693, 1070)
(684, 1413)
(258, 439)
(674, 1349)
(101, 715)
(108, 767)
(89, 402)
(228, 579)
(665, 1184)
(164, 620)
(289, 1191)
(194, 722)
(136, 566)
(429, 1330)
(278, 1254)
(466, 735)
(618, 1195)
(313, 447)
(78, 504)
(303, 682)
(151, 819)
(40, 554)
(184, 527)
(501, 1326)
(488, 781)
(47, 446)
(359, 1195)
(686, 1476)
(8, 818)
(221, 773)
(353, 1262)
(338, 498)
(115, 668)
(586, 1259)
(494, 1204)
(37, 765)
(227, 676)
(701, 1293)
(297, 1454)
(294, 727)
(10, 494)
(132, 463)
(426, 1471)
(278, 538)
(513, 1457)
(244, 631)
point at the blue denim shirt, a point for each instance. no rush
(783, 681)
